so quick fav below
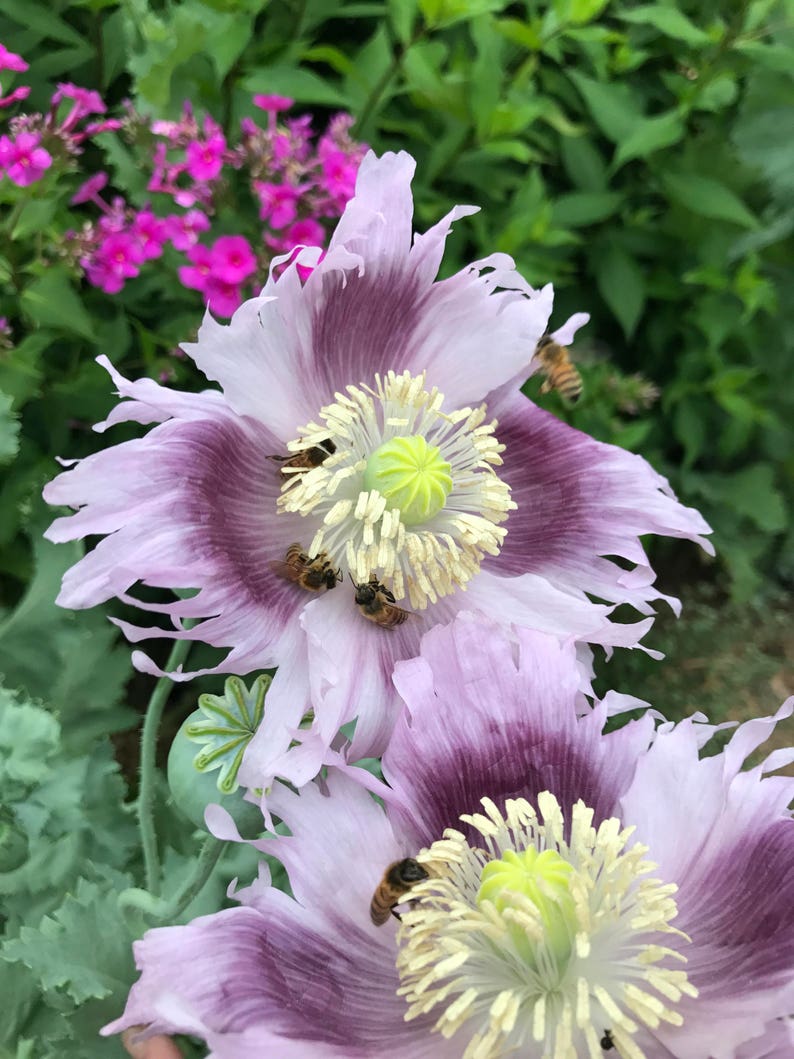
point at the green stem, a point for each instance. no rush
(171, 907)
(147, 767)
(400, 51)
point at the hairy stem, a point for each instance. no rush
(147, 767)
(171, 907)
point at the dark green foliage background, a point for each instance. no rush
(639, 156)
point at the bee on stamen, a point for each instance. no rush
(314, 574)
(398, 879)
(306, 459)
(377, 604)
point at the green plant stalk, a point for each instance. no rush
(169, 908)
(147, 767)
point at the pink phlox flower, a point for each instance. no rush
(95, 127)
(232, 260)
(196, 275)
(123, 253)
(282, 148)
(306, 232)
(24, 160)
(14, 97)
(205, 157)
(9, 60)
(186, 197)
(116, 259)
(88, 101)
(85, 101)
(115, 217)
(339, 175)
(89, 190)
(184, 229)
(151, 232)
(169, 129)
(304, 271)
(100, 273)
(223, 298)
(277, 202)
(273, 104)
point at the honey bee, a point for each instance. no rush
(560, 373)
(306, 458)
(606, 1042)
(377, 604)
(314, 574)
(397, 880)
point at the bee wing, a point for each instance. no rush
(288, 571)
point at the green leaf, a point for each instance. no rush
(303, 86)
(402, 14)
(28, 736)
(20, 368)
(34, 217)
(668, 20)
(9, 430)
(442, 13)
(583, 163)
(42, 19)
(622, 286)
(582, 11)
(708, 197)
(66, 659)
(83, 949)
(612, 106)
(765, 141)
(585, 207)
(51, 301)
(649, 135)
(752, 493)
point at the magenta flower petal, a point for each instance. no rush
(231, 258)
(734, 873)
(600, 499)
(9, 60)
(182, 512)
(515, 729)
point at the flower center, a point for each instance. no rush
(544, 939)
(411, 475)
(405, 492)
(543, 878)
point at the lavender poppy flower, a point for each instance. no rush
(585, 891)
(432, 474)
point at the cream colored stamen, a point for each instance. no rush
(362, 530)
(502, 970)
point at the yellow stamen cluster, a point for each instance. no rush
(421, 554)
(544, 962)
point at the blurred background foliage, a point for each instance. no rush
(640, 156)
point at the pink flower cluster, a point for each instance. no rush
(218, 271)
(296, 182)
(36, 139)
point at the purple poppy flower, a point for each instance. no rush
(435, 483)
(584, 889)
